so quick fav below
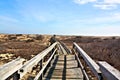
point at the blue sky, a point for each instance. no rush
(66, 17)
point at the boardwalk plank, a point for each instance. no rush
(65, 67)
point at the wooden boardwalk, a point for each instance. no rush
(60, 65)
(64, 67)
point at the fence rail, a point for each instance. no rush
(81, 66)
(39, 75)
(27, 67)
(109, 72)
(91, 63)
(65, 47)
(102, 70)
(10, 68)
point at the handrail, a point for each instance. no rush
(27, 67)
(94, 67)
(65, 47)
(10, 68)
(109, 72)
(81, 66)
(41, 71)
(62, 49)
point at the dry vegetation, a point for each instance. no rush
(99, 48)
(25, 46)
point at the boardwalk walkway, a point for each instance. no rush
(58, 63)
(64, 67)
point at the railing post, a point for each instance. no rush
(52, 58)
(52, 52)
(58, 49)
(16, 76)
(41, 65)
(49, 64)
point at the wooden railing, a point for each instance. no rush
(27, 67)
(18, 70)
(102, 70)
(39, 75)
(65, 47)
(90, 62)
(77, 56)
(11, 68)
(109, 72)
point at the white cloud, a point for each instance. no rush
(104, 4)
(112, 1)
(107, 4)
(83, 1)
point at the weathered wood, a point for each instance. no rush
(62, 49)
(41, 71)
(69, 71)
(94, 66)
(27, 67)
(64, 69)
(61, 79)
(81, 66)
(10, 68)
(58, 49)
(109, 72)
(41, 66)
(61, 62)
(65, 47)
(68, 57)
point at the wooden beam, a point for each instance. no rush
(10, 68)
(109, 72)
(81, 66)
(41, 71)
(65, 47)
(91, 63)
(27, 67)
